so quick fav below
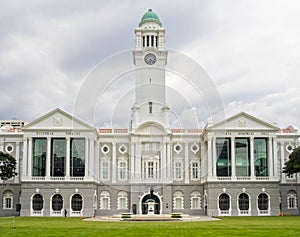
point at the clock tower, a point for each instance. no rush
(150, 59)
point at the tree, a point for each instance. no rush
(292, 166)
(8, 165)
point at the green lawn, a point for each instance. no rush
(228, 226)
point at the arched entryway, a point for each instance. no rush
(146, 200)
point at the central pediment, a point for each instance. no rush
(243, 121)
(58, 119)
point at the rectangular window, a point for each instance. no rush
(122, 170)
(122, 203)
(77, 159)
(150, 170)
(195, 170)
(39, 157)
(8, 203)
(105, 203)
(178, 203)
(105, 170)
(261, 156)
(195, 203)
(178, 170)
(58, 157)
(223, 157)
(242, 157)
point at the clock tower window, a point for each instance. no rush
(150, 107)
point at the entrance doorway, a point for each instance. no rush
(150, 200)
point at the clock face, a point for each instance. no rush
(150, 59)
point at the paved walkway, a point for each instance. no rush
(153, 218)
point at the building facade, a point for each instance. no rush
(233, 167)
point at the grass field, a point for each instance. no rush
(228, 226)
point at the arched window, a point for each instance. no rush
(57, 202)
(243, 204)
(7, 199)
(76, 202)
(243, 201)
(122, 200)
(178, 200)
(224, 202)
(292, 199)
(104, 200)
(195, 200)
(37, 202)
(263, 201)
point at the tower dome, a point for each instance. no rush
(150, 16)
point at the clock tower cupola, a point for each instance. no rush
(150, 59)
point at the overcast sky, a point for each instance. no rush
(250, 49)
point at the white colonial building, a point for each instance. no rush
(232, 167)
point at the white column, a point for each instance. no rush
(68, 157)
(186, 163)
(132, 158)
(209, 158)
(92, 158)
(275, 158)
(214, 157)
(18, 162)
(252, 158)
(97, 161)
(203, 160)
(86, 161)
(169, 162)
(270, 157)
(283, 175)
(24, 160)
(48, 158)
(138, 161)
(29, 168)
(114, 163)
(233, 173)
(163, 162)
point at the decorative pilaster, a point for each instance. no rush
(17, 178)
(214, 157)
(270, 157)
(114, 163)
(209, 157)
(252, 158)
(68, 157)
(233, 172)
(92, 158)
(132, 156)
(29, 168)
(86, 163)
(48, 158)
(275, 158)
(186, 163)
(25, 156)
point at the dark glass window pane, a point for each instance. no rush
(77, 160)
(58, 157)
(223, 157)
(242, 157)
(39, 157)
(261, 156)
